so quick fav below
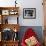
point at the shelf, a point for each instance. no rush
(10, 26)
(7, 16)
(6, 12)
(4, 8)
(9, 10)
(11, 41)
(10, 20)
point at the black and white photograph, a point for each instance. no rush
(29, 13)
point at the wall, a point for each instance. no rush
(39, 13)
(27, 4)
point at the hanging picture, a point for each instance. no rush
(29, 13)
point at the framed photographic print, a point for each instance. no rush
(29, 13)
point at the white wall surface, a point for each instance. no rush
(27, 4)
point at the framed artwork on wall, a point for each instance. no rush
(29, 13)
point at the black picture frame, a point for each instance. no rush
(29, 13)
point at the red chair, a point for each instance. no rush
(29, 33)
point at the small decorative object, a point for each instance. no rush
(15, 34)
(13, 12)
(15, 30)
(5, 12)
(29, 13)
(15, 3)
(6, 21)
